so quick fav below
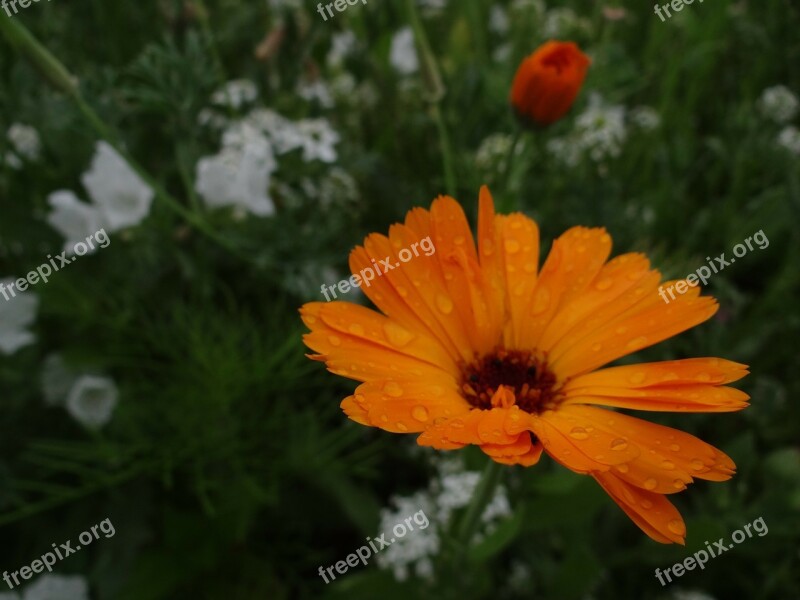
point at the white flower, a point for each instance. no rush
(318, 140)
(13, 161)
(342, 45)
(599, 133)
(57, 587)
(57, 380)
(17, 313)
(403, 53)
(498, 20)
(92, 400)
(208, 117)
(789, 138)
(344, 86)
(779, 104)
(494, 150)
(415, 548)
(282, 133)
(315, 91)
(235, 94)
(561, 22)
(239, 175)
(73, 219)
(645, 118)
(120, 193)
(25, 140)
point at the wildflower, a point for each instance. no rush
(57, 587)
(645, 118)
(478, 346)
(779, 104)
(91, 400)
(548, 81)
(235, 94)
(403, 53)
(239, 175)
(17, 313)
(789, 138)
(317, 139)
(342, 46)
(56, 379)
(25, 140)
(73, 219)
(499, 22)
(120, 194)
(315, 91)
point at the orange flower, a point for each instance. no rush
(548, 81)
(480, 346)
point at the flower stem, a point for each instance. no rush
(505, 177)
(480, 499)
(434, 93)
(55, 73)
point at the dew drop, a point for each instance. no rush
(619, 444)
(667, 465)
(420, 413)
(401, 426)
(437, 391)
(597, 347)
(356, 329)
(457, 424)
(335, 340)
(697, 464)
(458, 240)
(623, 468)
(703, 377)
(385, 418)
(678, 484)
(402, 291)
(637, 377)
(397, 335)
(578, 433)
(674, 447)
(310, 319)
(647, 505)
(512, 246)
(603, 284)
(444, 304)
(393, 389)
(639, 342)
(676, 527)
(650, 484)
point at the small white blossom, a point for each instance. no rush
(403, 53)
(282, 133)
(494, 150)
(92, 399)
(645, 118)
(13, 161)
(210, 118)
(235, 94)
(25, 140)
(239, 175)
(414, 550)
(57, 380)
(563, 22)
(17, 313)
(498, 20)
(599, 133)
(51, 586)
(318, 140)
(342, 45)
(315, 91)
(789, 138)
(779, 104)
(116, 189)
(73, 219)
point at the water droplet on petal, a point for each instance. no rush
(393, 389)
(579, 433)
(697, 464)
(676, 526)
(603, 284)
(678, 484)
(402, 291)
(385, 418)
(623, 468)
(637, 343)
(335, 340)
(647, 505)
(674, 447)
(420, 413)
(512, 246)
(356, 329)
(444, 304)
(401, 426)
(668, 465)
(311, 319)
(637, 377)
(457, 424)
(597, 347)
(650, 484)
(397, 335)
(703, 377)
(458, 240)
(619, 444)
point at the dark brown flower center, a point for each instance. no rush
(525, 374)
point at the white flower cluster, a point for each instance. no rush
(403, 52)
(25, 143)
(17, 314)
(90, 399)
(450, 490)
(240, 174)
(779, 104)
(789, 138)
(51, 586)
(235, 94)
(601, 131)
(562, 23)
(494, 151)
(120, 198)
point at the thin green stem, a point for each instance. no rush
(447, 153)
(480, 499)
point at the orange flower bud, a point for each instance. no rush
(548, 81)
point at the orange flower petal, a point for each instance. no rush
(652, 513)
(520, 252)
(528, 459)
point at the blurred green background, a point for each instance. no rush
(225, 464)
